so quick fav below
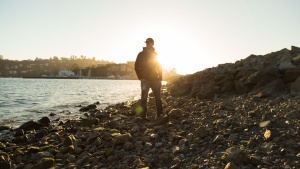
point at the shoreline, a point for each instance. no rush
(228, 130)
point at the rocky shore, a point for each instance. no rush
(226, 126)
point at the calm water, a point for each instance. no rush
(22, 100)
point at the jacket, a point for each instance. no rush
(147, 66)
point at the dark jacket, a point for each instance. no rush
(147, 67)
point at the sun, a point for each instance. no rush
(176, 49)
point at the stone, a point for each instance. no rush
(294, 114)
(89, 122)
(271, 133)
(5, 161)
(201, 132)
(2, 128)
(69, 141)
(218, 138)
(128, 146)
(235, 155)
(295, 87)
(122, 139)
(230, 166)
(175, 114)
(44, 163)
(30, 125)
(45, 121)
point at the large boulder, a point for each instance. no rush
(275, 87)
(295, 87)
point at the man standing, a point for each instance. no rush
(149, 72)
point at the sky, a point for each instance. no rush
(189, 35)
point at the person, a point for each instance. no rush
(149, 72)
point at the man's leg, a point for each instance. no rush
(156, 88)
(144, 96)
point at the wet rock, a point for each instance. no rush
(44, 121)
(30, 125)
(41, 133)
(4, 128)
(19, 132)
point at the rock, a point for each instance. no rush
(69, 141)
(175, 114)
(41, 133)
(4, 128)
(122, 139)
(265, 123)
(19, 132)
(30, 125)
(201, 132)
(290, 75)
(219, 138)
(295, 87)
(270, 134)
(230, 166)
(232, 137)
(45, 163)
(128, 146)
(161, 120)
(45, 121)
(83, 160)
(2, 146)
(286, 65)
(5, 161)
(255, 160)
(235, 155)
(294, 114)
(42, 155)
(89, 122)
(275, 87)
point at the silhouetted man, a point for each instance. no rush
(149, 72)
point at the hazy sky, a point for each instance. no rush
(189, 35)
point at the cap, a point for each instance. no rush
(149, 40)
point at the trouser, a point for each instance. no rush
(155, 87)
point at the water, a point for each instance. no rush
(22, 100)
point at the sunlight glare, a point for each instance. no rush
(177, 49)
